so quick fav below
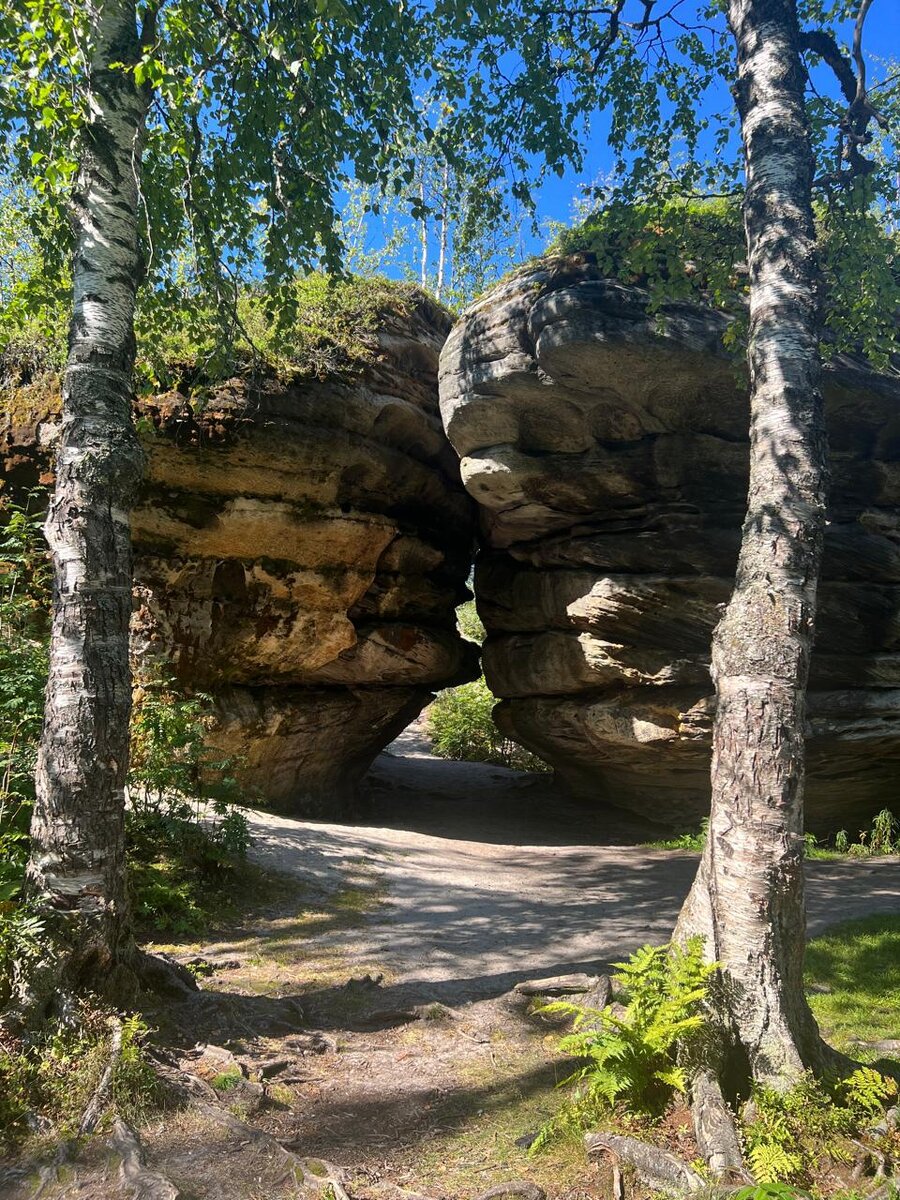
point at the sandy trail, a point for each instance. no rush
(489, 879)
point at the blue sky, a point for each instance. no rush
(557, 195)
(881, 42)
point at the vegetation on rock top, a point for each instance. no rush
(314, 327)
(695, 249)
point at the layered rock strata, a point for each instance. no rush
(607, 448)
(299, 553)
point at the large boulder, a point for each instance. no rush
(607, 447)
(300, 548)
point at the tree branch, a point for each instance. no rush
(820, 43)
(854, 124)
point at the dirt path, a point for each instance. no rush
(488, 879)
(330, 1004)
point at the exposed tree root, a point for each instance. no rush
(516, 1189)
(65, 1151)
(657, 1168)
(163, 974)
(97, 1102)
(147, 1184)
(715, 1129)
(888, 1187)
(314, 1178)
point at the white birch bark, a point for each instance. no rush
(445, 231)
(423, 235)
(748, 896)
(77, 864)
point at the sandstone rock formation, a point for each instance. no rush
(607, 450)
(300, 549)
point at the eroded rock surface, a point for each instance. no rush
(299, 553)
(607, 450)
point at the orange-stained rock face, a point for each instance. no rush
(299, 553)
(607, 450)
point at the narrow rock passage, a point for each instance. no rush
(488, 878)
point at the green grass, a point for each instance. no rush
(477, 1130)
(690, 840)
(881, 837)
(859, 961)
(174, 899)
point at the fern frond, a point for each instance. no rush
(674, 1077)
(771, 1163)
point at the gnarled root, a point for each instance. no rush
(656, 1167)
(314, 1178)
(97, 1102)
(717, 1139)
(65, 1150)
(163, 974)
(715, 1129)
(147, 1184)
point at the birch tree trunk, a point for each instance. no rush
(423, 235)
(748, 897)
(77, 866)
(445, 231)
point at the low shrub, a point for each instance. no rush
(24, 591)
(187, 839)
(462, 728)
(635, 1059)
(47, 1081)
(881, 838)
(460, 723)
(791, 1137)
(690, 248)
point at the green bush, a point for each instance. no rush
(53, 1074)
(882, 838)
(789, 1136)
(186, 837)
(187, 840)
(460, 722)
(469, 624)
(691, 248)
(462, 728)
(679, 247)
(24, 591)
(312, 326)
